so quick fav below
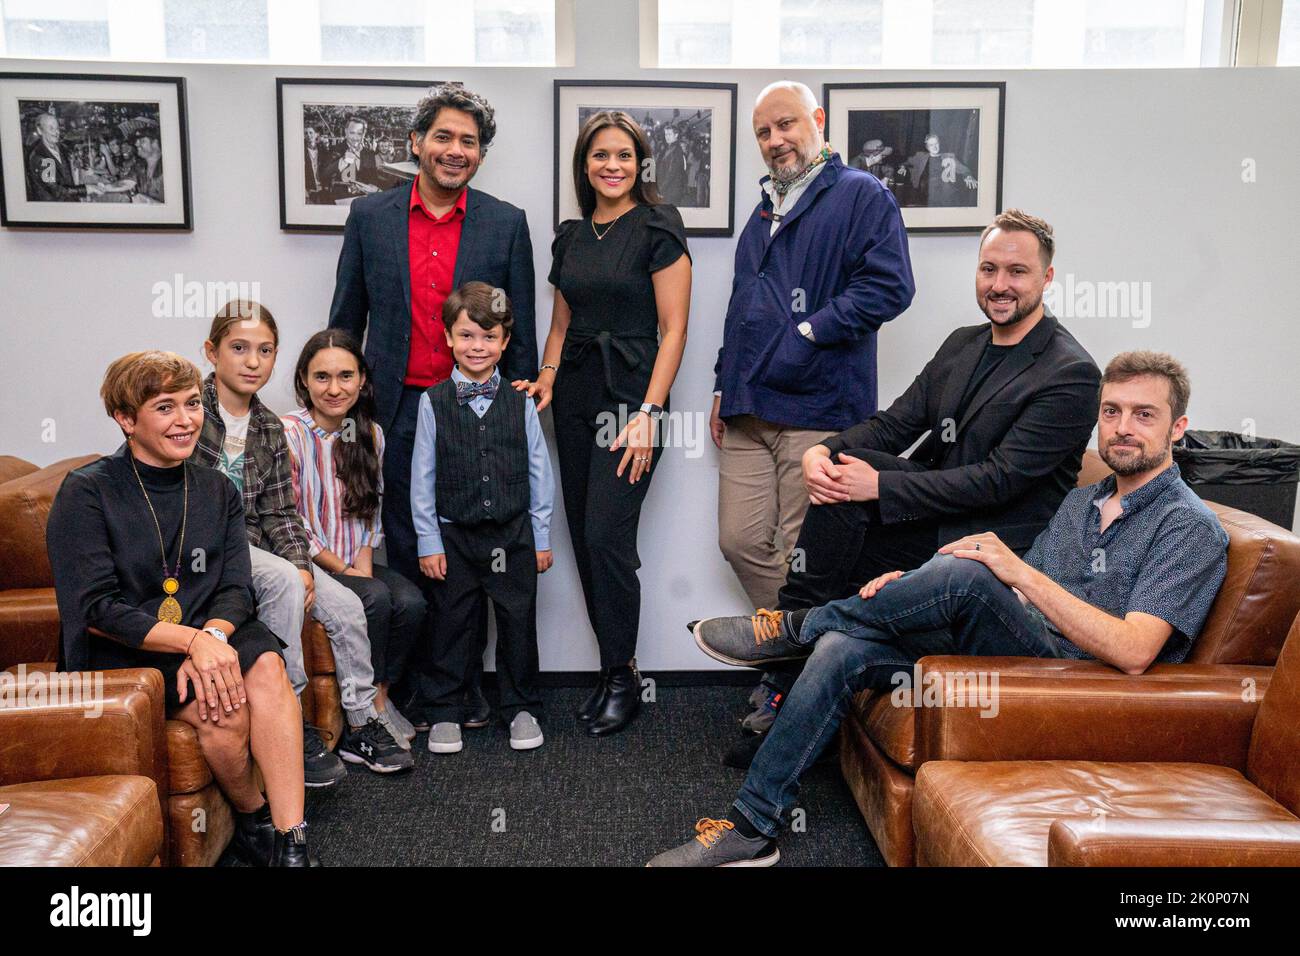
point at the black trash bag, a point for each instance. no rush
(1225, 458)
(1258, 475)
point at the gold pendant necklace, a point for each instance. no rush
(170, 609)
(608, 225)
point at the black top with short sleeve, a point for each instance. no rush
(609, 288)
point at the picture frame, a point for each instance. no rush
(361, 131)
(94, 151)
(691, 127)
(936, 146)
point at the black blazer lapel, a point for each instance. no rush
(1011, 367)
(958, 376)
(471, 241)
(394, 223)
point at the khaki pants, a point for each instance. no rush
(762, 501)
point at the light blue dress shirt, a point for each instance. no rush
(424, 473)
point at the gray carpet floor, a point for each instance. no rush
(575, 801)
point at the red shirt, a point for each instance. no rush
(432, 244)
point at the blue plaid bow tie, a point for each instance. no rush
(466, 392)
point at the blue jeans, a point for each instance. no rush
(947, 606)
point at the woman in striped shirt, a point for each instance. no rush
(336, 450)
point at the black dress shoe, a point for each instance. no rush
(254, 836)
(621, 703)
(591, 707)
(291, 848)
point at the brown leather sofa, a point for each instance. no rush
(84, 786)
(1228, 795)
(197, 817)
(1059, 709)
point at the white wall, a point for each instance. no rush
(1139, 172)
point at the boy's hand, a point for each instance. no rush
(434, 566)
(544, 561)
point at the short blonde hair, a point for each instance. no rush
(135, 378)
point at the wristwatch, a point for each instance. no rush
(218, 633)
(805, 329)
(655, 412)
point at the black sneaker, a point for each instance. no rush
(290, 848)
(478, 712)
(320, 767)
(374, 747)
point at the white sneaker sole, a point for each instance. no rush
(376, 767)
(735, 662)
(532, 743)
(770, 860)
(437, 748)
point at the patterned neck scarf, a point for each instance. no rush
(782, 187)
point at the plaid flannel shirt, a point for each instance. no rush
(270, 512)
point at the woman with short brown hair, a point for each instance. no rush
(151, 569)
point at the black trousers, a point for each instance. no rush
(395, 611)
(843, 546)
(485, 561)
(602, 509)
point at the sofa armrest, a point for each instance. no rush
(55, 726)
(1092, 841)
(1018, 708)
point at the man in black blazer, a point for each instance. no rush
(437, 219)
(1006, 408)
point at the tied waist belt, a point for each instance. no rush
(630, 347)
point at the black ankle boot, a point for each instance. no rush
(621, 702)
(591, 707)
(254, 836)
(291, 848)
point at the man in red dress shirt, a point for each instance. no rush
(404, 250)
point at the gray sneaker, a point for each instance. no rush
(444, 738)
(390, 725)
(525, 732)
(719, 843)
(400, 722)
(745, 641)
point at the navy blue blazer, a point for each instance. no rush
(372, 287)
(840, 262)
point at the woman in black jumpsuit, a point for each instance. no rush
(622, 275)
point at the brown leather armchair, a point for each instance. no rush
(1054, 709)
(1227, 793)
(198, 818)
(84, 785)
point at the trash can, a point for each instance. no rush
(1258, 475)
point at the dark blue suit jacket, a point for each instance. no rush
(372, 290)
(840, 262)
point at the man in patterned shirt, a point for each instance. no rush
(1125, 573)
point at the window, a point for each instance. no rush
(923, 34)
(1288, 47)
(43, 28)
(419, 32)
(215, 29)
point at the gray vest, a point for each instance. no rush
(482, 463)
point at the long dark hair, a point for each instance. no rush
(355, 462)
(643, 191)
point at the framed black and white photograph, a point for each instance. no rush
(341, 139)
(936, 146)
(88, 151)
(691, 128)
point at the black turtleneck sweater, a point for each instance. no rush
(108, 568)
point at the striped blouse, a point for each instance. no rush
(319, 491)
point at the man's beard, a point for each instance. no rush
(786, 174)
(1125, 468)
(1016, 317)
(444, 181)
